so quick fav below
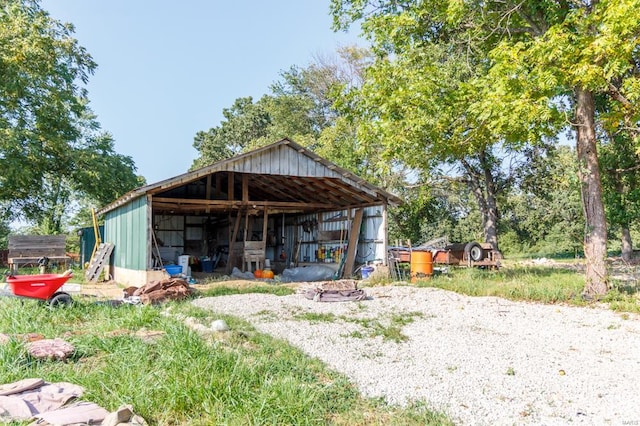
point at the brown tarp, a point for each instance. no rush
(159, 291)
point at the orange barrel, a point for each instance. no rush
(421, 265)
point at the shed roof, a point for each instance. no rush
(282, 176)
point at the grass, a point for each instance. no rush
(538, 284)
(316, 317)
(222, 290)
(547, 285)
(182, 378)
(390, 329)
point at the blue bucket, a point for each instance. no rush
(366, 271)
(173, 269)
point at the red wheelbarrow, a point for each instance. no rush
(43, 287)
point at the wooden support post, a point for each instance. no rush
(265, 219)
(232, 242)
(245, 188)
(230, 186)
(246, 226)
(352, 248)
(208, 192)
(385, 235)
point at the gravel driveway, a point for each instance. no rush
(482, 360)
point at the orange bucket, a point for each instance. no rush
(421, 265)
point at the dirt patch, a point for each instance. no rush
(111, 290)
(108, 290)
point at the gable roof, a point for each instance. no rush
(282, 171)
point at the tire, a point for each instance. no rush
(474, 251)
(60, 300)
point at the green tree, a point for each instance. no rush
(41, 68)
(306, 105)
(4, 230)
(543, 213)
(243, 123)
(92, 171)
(621, 173)
(299, 106)
(52, 151)
(413, 108)
(577, 50)
(543, 60)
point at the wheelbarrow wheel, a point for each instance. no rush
(60, 300)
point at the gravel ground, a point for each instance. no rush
(481, 360)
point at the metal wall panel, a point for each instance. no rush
(126, 227)
(334, 226)
(371, 244)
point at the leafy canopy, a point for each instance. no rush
(51, 146)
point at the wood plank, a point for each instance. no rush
(184, 202)
(19, 241)
(30, 248)
(352, 248)
(245, 188)
(231, 259)
(265, 224)
(230, 186)
(246, 227)
(385, 234)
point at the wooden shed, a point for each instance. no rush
(281, 204)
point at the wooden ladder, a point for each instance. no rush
(98, 261)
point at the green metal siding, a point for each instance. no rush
(88, 242)
(126, 227)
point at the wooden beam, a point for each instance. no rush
(352, 248)
(178, 203)
(230, 186)
(265, 218)
(246, 228)
(385, 235)
(207, 190)
(232, 241)
(245, 188)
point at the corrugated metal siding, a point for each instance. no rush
(126, 227)
(370, 243)
(283, 161)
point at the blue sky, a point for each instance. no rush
(166, 69)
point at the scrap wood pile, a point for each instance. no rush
(335, 291)
(159, 291)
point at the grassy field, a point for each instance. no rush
(147, 357)
(534, 283)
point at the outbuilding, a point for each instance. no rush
(280, 205)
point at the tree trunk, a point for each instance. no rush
(595, 238)
(627, 245)
(482, 185)
(491, 214)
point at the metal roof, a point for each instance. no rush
(283, 176)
